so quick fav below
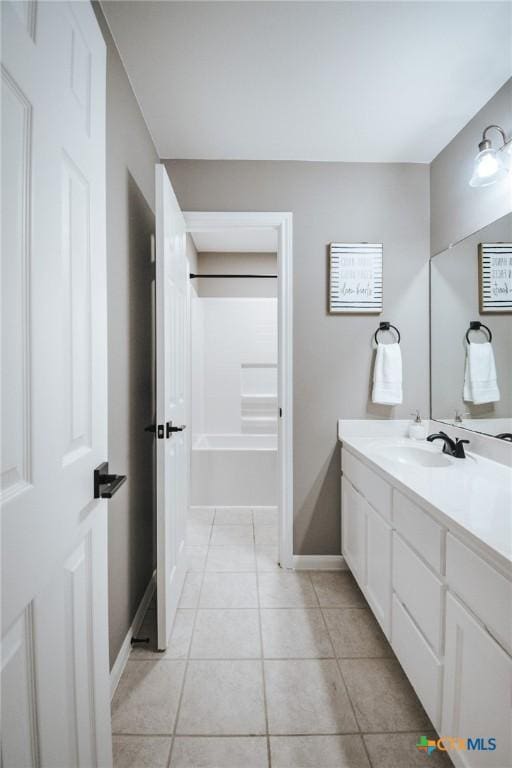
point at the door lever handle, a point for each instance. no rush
(105, 484)
(150, 428)
(169, 429)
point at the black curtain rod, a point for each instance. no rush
(252, 277)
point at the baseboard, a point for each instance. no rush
(319, 563)
(124, 652)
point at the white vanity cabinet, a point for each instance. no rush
(445, 607)
(366, 533)
(378, 568)
(421, 665)
(477, 660)
(484, 590)
(354, 529)
(420, 590)
(477, 689)
(367, 550)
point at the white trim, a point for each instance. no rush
(124, 652)
(203, 221)
(319, 563)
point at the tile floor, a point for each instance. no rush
(265, 668)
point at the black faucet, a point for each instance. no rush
(505, 436)
(453, 448)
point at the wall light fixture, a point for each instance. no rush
(491, 164)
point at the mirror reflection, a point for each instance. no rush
(471, 331)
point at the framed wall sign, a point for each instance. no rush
(355, 278)
(495, 278)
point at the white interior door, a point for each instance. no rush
(172, 328)
(55, 674)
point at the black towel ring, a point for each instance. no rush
(476, 325)
(385, 326)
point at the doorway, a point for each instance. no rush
(174, 279)
(249, 464)
(174, 232)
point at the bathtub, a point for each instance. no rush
(234, 470)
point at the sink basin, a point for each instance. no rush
(418, 457)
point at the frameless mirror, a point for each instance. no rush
(471, 331)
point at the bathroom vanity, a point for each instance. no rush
(429, 540)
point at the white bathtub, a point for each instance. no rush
(234, 470)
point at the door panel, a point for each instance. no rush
(17, 133)
(19, 727)
(172, 328)
(477, 692)
(378, 568)
(54, 394)
(77, 312)
(354, 529)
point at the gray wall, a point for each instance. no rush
(237, 264)
(130, 222)
(458, 210)
(333, 356)
(454, 303)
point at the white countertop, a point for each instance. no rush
(472, 495)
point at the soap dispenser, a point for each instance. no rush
(417, 429)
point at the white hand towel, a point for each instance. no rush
(480, 380)
(387, 375)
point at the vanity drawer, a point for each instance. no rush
(368, 483)
(420, 590)
(420, 664)
(416, 527)
(481, 587)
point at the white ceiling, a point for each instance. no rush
(242, 240)
(338, 81)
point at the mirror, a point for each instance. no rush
(471, 283)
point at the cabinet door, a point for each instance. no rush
(353, 513)
(378, 568)
(477, 690)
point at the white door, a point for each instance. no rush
(172, 329)
(353, 523)
(55, 674)
(378, 567)
(477, 690)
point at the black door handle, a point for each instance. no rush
(169, 429)
(150, 428)
(106, 485)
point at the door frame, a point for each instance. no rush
(282, 223)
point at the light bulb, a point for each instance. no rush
(489, 165)
(488, 168)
